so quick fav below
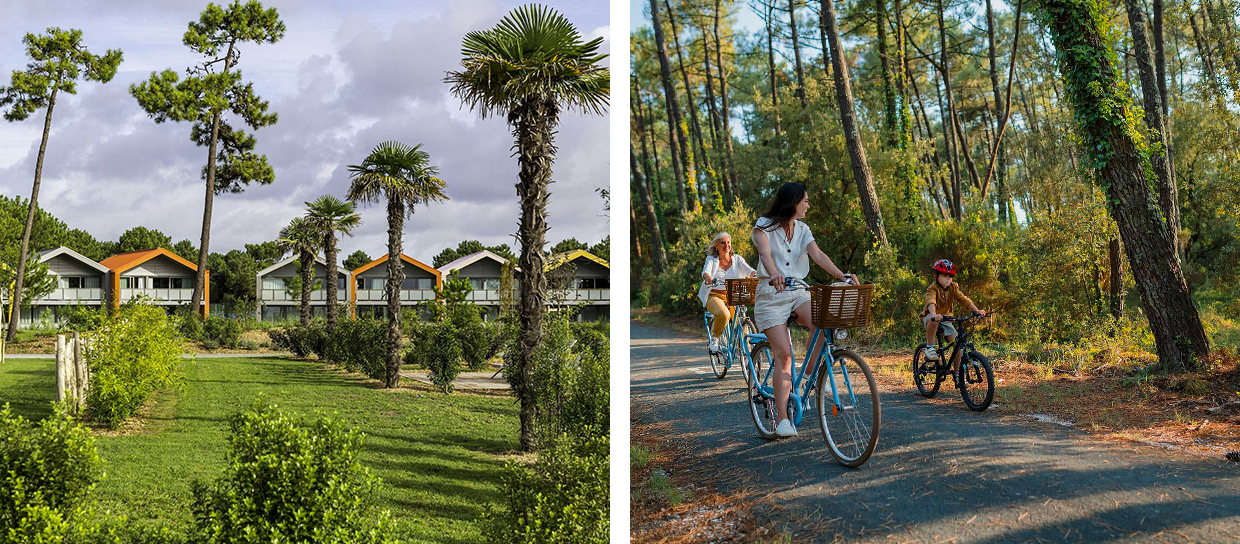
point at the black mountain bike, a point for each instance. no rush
(976, 379)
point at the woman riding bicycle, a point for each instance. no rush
(785, 245)
(720, 265)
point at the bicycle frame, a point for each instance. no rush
(731, 334)
(826, 352)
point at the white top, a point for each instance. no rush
(739, 269)
(791, 257)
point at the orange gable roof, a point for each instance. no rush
(124, 261)
(403, 257)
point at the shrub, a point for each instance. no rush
(357, 345)
(288, 481)
(134, 353)
(443, 355)
(300, 341)
(225, 332)
(479, 341)
(83, 318)
(210, 345)
(188, 323)
(562, 499)
(248, 345)
(46, 471)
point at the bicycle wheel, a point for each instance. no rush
(742, 340)
(922, 372)
(761, 407)
(850, 428)
(718, 365)
(977, 386)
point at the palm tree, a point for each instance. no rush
(302, 237)
(331, 215)
(404, 177)
(529, 67)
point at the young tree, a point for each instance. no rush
(57, 60)
(530, 67)
(1109, 139)
(848, 118)
(402, 177)
(356, 259)
(302, 238)
(206, 94)
(331, 215)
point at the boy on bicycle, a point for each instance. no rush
(941, 295)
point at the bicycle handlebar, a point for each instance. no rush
(963, 319)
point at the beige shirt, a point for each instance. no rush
(791, 256)
(943, 299)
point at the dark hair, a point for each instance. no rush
(784, 205)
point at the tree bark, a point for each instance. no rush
(796, 53)
(652, 224)
(1163, 163)
(535, 131)
(695, 126)
(200, 277)
(770, 63)
(889, 95)
(686, 178)
(1207, 63)
(395, 276)
(331, 281)
(953, 161)
(19, 282)
(647, 189)
(949, 115)
(1095, 88)
(848, 119)
(1117, 279)
(1000, 114)
(716, 130)
(1160, 58)
(306, 261)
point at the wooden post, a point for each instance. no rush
(79, 371)
(60, 368)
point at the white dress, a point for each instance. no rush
(791, 259)
(739, 269)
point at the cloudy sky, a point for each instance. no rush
(347, 76)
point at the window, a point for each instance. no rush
(273, 283)
(184, 283)
(343, 283)
(90, 282)
(131, 283)
(161, 283)
(491, 284)
(417, 283)
(593, 283)
(376, 284)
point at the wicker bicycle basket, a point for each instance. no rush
(741, 291)
(841, 306)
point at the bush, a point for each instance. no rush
(210, 345)
(479, 341)
(225, 332)
(134, 353)
(248, 345)
(288, 481)
(83, 318)
(562, 499)
(300, 341)
(443, 352)
(188, 323)
(46, 471)
(357, 345)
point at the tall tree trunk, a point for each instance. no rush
(652, 224)
(848, 119)
(395, 276)
(639, 115)
(949, 145)
(1207, 63)
(949, 116)
(695, 127)
(200, 277)
(1000, 114)
(1117, 279)
(19, 282)
(1163, 163)
(796, 53)
(726, 113)
(306, 261)
(1095, 88)
(1160, 59)
(890, 121)
(716, 130)
(686, 178)
(331, 281)
(647, 188)
(535, 132)
(770, 63)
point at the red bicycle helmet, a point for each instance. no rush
(945, 266)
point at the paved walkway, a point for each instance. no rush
(465, 380)
(940, 474)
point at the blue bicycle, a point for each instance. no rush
(848, 412)
(740, 330)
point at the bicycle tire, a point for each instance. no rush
(761, 408)
(859, 446)
(747, 328)
(920, 374)
(983, 373)
(717, 365)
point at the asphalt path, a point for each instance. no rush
(941, 473)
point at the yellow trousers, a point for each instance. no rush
(717, 305)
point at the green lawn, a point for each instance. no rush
(439, 456)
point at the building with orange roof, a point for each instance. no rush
(366, 289)
(163, 276)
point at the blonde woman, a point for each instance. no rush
(721, 264)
